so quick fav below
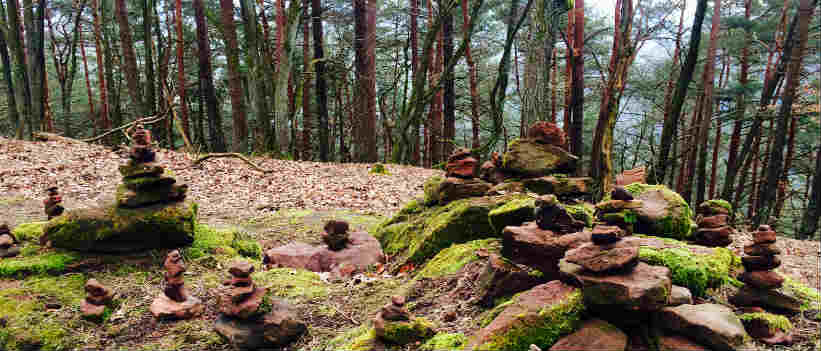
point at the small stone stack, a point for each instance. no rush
(395, 325)
(762, 258)
(490, 171)
(600, 255)
(52, 203)
(175, 301)
(551, 215)
(336, 235)
(461, 164)
(143, 181)
(617, 214)
(8, 243)
(460, 179)
(250, 318)
(548, 133)
(98, 297)
(713, 225)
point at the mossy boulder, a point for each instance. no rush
(663, 212)
(457, 256)
(417, 234)
(539, 316)
(559, 185)
(515, 212)
(715, 207)
(147, 183)
(163, 193)
(531, 158)
(582, 212)
(116, 230)
(772, 323)
(431, 188)
(404, 332)
(29, 231)
(445, 341)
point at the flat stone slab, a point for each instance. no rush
(362, 251)
(538, 248)
(594, 334)
(714, 325)
(601, 258)
(165, 308)
(644, 288)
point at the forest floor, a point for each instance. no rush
(289, 204)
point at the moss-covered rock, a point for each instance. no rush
(405, 332)
(772, 321)
(560, 185)
(47, 263)
(529, 157)
(431, 188)
(791, 297)
(29, 231)
(663, 212)
(379, 168)
(445, 341)
(417, 236)
(148, 183)
(515, 212)
(539, 316)
(715, 207)
(454, 258)
(128, 198)
(582, 212)
(114, 229)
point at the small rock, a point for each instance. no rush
(714, 237)
(449, 316)
(547, 133)
(764, 235)
(607, 234)
(463, 168)
(619, 193)
(680, 296)
(716, 221)
(241, 269)
(336, 234)
(714, 325)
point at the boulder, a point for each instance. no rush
(680, 295)
(644, 288)
(559, 185)
(500, 278)
(538, 248)
(119, 230)
(506, 187)
(594, 334)
(618, 205)
(361, 252)
(601, 258)
(714, 207)
(547, 133)
(713, 325)
(165, 308)
(678, 343)
(274, 329)
(452, 189)
(531, 158)
(781, 299)
(513, 213)
(552, 215)
(663, 212)
(539, 316)
(282, 324)
(762, 279)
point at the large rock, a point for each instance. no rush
(713, 325)
(539, 316)
(275, 329)
(540, 249)
(531, 158)
(594, 334)
(500, 278)
(782, 299)
(362, 251)
(559, 185)
(117, 230)
(602, 258)
(644, 288)
(452, 189)
(663, 212)
(165, 308)
(513, 213)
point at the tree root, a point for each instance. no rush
(232, 155)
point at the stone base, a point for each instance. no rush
(362, 251)
(165, 308)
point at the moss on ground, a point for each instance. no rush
(54, 262)
(809, 297)
(403, 333)
(379, 168)
(515, 212)
(694, 271)
(361, 338)
(773, 321)
(292, 283)
(209, 240)
(452, 259)
(29, 231)
(542, 330)
(445, 341)
(431, 189)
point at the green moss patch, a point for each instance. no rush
(431, 188)
(403, 333)
(695, 271)
(361, 338)
(774, 321)
(208, 241)
(663, 213)
(414, 238)
(582, 212)
(515, 212)
(29, 231)
(292, 283)
(48, 263)
(809, 297)
(445, 341)
(452, 259)
(379, 168)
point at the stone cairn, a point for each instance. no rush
(143, 181)
(551, 215)
(548, 133)
(461, 164)
(97, 298)
(460, 178)
(175, 301)
(336, 234)
(52, 203)
(8, 243)
(395, 316)
(250, 318)
(490, 171)
(760, 260)
(616, 214)
(713, 225)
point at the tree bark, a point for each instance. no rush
(449, 103)
(577, 92)
(132, 76)
(14, 117)
(240, 142)
(321, 85)
(150, 84)
(707, 114)
(182, 84)
(307, 118)
(774, 170)
(206, 76)
(809, 223)
(101, 79)
(669, 130)
(365, 106)
(740, 109)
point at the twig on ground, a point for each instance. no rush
(233, 155)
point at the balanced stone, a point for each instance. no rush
(766, 249)
(715, 221)
(607, 234)
(461, 164)
(336, 234)
(97, 297)
(760, 263)
(762, 279)
(550, 214)
(52, 203)
(8, 243)
(547, 133)
(175, 302)
(764, 235)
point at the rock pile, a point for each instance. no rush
(459, 182)
(714, 229)
(491, 170)
(395, 325)
(618, 212)
(548, 133)
(98, 297)
(8, 243)
(143, 181)
(551, 215)
(251, 318)
(52, 203)
(175, 301)
(461, 164)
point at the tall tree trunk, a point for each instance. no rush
(809, 223)
(774, 171)
(321, 86)
(740, 109)
(182, 84)
(577, 92)
(240, 142)
(707, 116)
(675, 70)
(449, 97)
(150, 84)
(364, 27)
(14, 117)
(132, 76)
(91, 108)
(307, 118)
(101, 79)
(669, 130)
(785, 180)
(554, 86)
(206, 76)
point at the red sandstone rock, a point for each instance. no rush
(762, 279)
(598, 258)
(538, 248)
(463, 168)
(762, 249)
(547, 133)
(607, 234)
(760, 263)
(714, 237)
(630, 176)
(594, 334)
(362, 251)
(764, 235)
(716, 221)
